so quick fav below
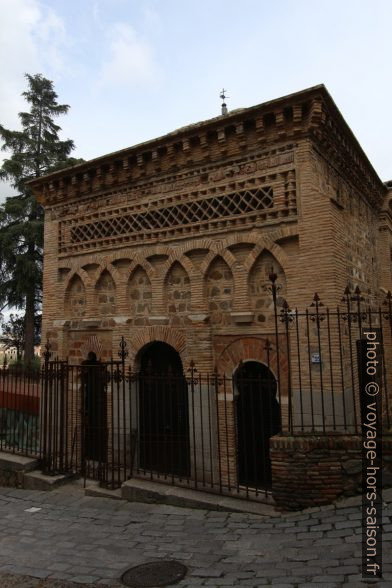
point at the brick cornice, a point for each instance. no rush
(309, 113)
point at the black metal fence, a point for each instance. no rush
(319, 360)
(212, 431)
(207, 432)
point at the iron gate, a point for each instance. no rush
(103, 422)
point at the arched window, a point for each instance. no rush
(105, 295)
(219, 291)
(75, 298)
(139, 296)
(177, 294)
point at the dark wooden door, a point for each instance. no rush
(258, 418)
(163, 412)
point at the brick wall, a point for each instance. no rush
(312, 471)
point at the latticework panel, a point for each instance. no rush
(200, 211)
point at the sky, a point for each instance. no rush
(132, 70)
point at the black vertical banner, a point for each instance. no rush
(370, 384)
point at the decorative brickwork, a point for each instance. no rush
(79, 343)
(236, 203)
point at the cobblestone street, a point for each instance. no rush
(88, 540)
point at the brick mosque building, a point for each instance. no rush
(172, 240)
(170, 243)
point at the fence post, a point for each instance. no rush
(46, 425)
(350, 316)
(317, 317)
(123, 354)
(287, 317)
(192, 370)
(274, 288)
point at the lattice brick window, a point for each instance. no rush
(260, 297)
(139, 296)
(228, 205)
(219, 290)
(105, 291)
(178, 294)
(75, 298)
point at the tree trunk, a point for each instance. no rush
(29, 327)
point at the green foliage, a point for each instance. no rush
(21, 366)
(34, 150)
(13, 333)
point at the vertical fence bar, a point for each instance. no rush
(226, 433)
(14, 407)
(112, 448)
(317, 318)
(242, 399)
(216, 387)
(274, 289)
(338, 318)
(310, 370)
(192, 371)
(331, 376)
(123, 353)
(271, 391)
(132, 437)
(174, 445)
(202, 430)
(259, 390)
(287, 318)
(118, 430)
(350, 318)
(22, 412)
(299, 369)
(208, 384)
(46, 424)
(56, 418)
(28, 413)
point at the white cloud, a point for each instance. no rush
(97, 15)
(31, 39)
(129, 61)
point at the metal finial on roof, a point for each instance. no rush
(223, 97)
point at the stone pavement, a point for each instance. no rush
(75, 538)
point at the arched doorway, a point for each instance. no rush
(258, 419)
(163, 411)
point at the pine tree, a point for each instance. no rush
(35, 150)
